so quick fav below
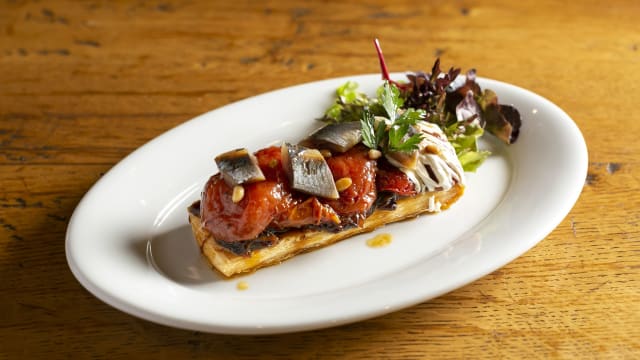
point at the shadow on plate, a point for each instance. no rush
(176, 255)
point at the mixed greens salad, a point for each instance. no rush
(455, 103)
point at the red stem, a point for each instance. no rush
(383, 65)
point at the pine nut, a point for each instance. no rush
(374, 154)
(431, 149)
(325, 153)
(238, 194)
(343, 183)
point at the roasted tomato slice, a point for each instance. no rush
(270, 162)
(308, 212)
(246, 219)
(390, 178)
(360, 196)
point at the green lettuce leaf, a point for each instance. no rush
(464, 139)
(349, 104)
(471, 160)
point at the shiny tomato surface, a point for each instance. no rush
(270, 162)
(271, 203)
(229, 221)
(360, 196)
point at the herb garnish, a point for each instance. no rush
(461, 108)
(392, 131)
(371, 135)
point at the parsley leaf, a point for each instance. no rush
(369, 137)
(395, 138)
(397, 134)
(410, 116)
(380, 131)
(389, 97)
(372, 135)
(410, 144)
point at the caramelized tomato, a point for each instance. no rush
(308, 212)
(270, 162)
(229, 221)
(356, 165)
(270, 203)
(390, 178)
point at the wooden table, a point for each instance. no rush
(84, 84)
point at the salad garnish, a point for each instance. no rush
(458, 105)
(390, 131)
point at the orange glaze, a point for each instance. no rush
(379, 240)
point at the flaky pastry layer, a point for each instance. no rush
(297, 241)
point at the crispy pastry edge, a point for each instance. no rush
(297, 241)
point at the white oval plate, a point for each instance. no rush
(129, 242)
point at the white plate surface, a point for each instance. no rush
(129, 242)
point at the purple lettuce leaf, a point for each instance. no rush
(501, 120)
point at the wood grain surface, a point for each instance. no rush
(82, 84)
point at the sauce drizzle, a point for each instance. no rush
(380, 240)
(242, 286)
